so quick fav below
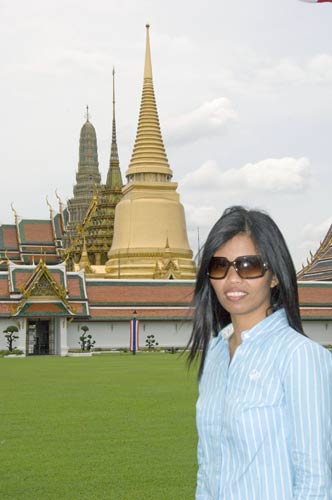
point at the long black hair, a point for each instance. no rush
(210, 316)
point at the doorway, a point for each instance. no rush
(38, 338)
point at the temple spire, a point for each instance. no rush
(114, 178)
(150, 238)
(147, 65)
(149, 155)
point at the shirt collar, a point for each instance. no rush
(266, 326)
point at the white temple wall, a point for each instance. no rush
(116, 334)
(19, 343)
(319, 330)
(167, 333)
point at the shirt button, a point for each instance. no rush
(246, 336)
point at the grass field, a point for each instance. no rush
(117, 427)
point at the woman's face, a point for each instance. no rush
(246, 300)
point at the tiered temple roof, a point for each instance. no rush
(25, 241)
(96, 229)
(42, 290)
(87, 178)
(319, 266)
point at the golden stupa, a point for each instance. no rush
(150, 237)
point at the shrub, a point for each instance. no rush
(86, 341)
(9, 334)
(151, 342)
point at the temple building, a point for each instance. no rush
(89, 245)
(83, 267)
(150, 237)
(319, 266)
(27, 240)
(87, 179)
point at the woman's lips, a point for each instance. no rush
(235, 295)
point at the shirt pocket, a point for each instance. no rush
(255, 409)
(254, 396)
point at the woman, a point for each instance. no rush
(264, 412)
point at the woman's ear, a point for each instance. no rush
(274, 281)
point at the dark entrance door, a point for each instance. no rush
(38, 332)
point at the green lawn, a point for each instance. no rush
(117, 427)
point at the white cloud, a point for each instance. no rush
(199, 221)
(178, 43)
(313, 234)
(201, 216)
(321, 67)
(317, 69)
(211, 118)
(272, 175)
(284, 71)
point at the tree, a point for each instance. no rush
(86, 341)
(151, 342)
(9, 334)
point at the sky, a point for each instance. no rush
(243, 90)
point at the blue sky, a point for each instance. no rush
(244, 94)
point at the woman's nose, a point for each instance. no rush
(232, 275)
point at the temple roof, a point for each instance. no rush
(25, 241)
(319, 266)
(88, 153)
(87, 179)
(42, 290)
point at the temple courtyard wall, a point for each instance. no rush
(112, 335)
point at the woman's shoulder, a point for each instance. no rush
(299, 348)
(288, 343)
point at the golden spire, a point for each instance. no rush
(59, 201)
(14, 212)
(149, 156)
(114, 178)
(84, 262)
(50, 207)
(148, 65)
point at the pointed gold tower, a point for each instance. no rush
(150, 236)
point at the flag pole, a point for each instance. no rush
(134, 333)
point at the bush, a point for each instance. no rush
(86, 341)
(9, 334)
(14, 351)
(150, 342)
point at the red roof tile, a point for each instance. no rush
(5, 308)
(316, 313)
(137, 294)
(44, 307)
(153, 313)
(74, 289)
(315, 295)
(21, 278)
(10, 237)
(78, 308)
(4, 288)
(35, 231)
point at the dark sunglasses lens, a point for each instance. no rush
(250, 267)
(218, 267)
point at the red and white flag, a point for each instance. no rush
(317, 1)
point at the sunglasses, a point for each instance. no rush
(247, 267)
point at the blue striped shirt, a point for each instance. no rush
(265, 419)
